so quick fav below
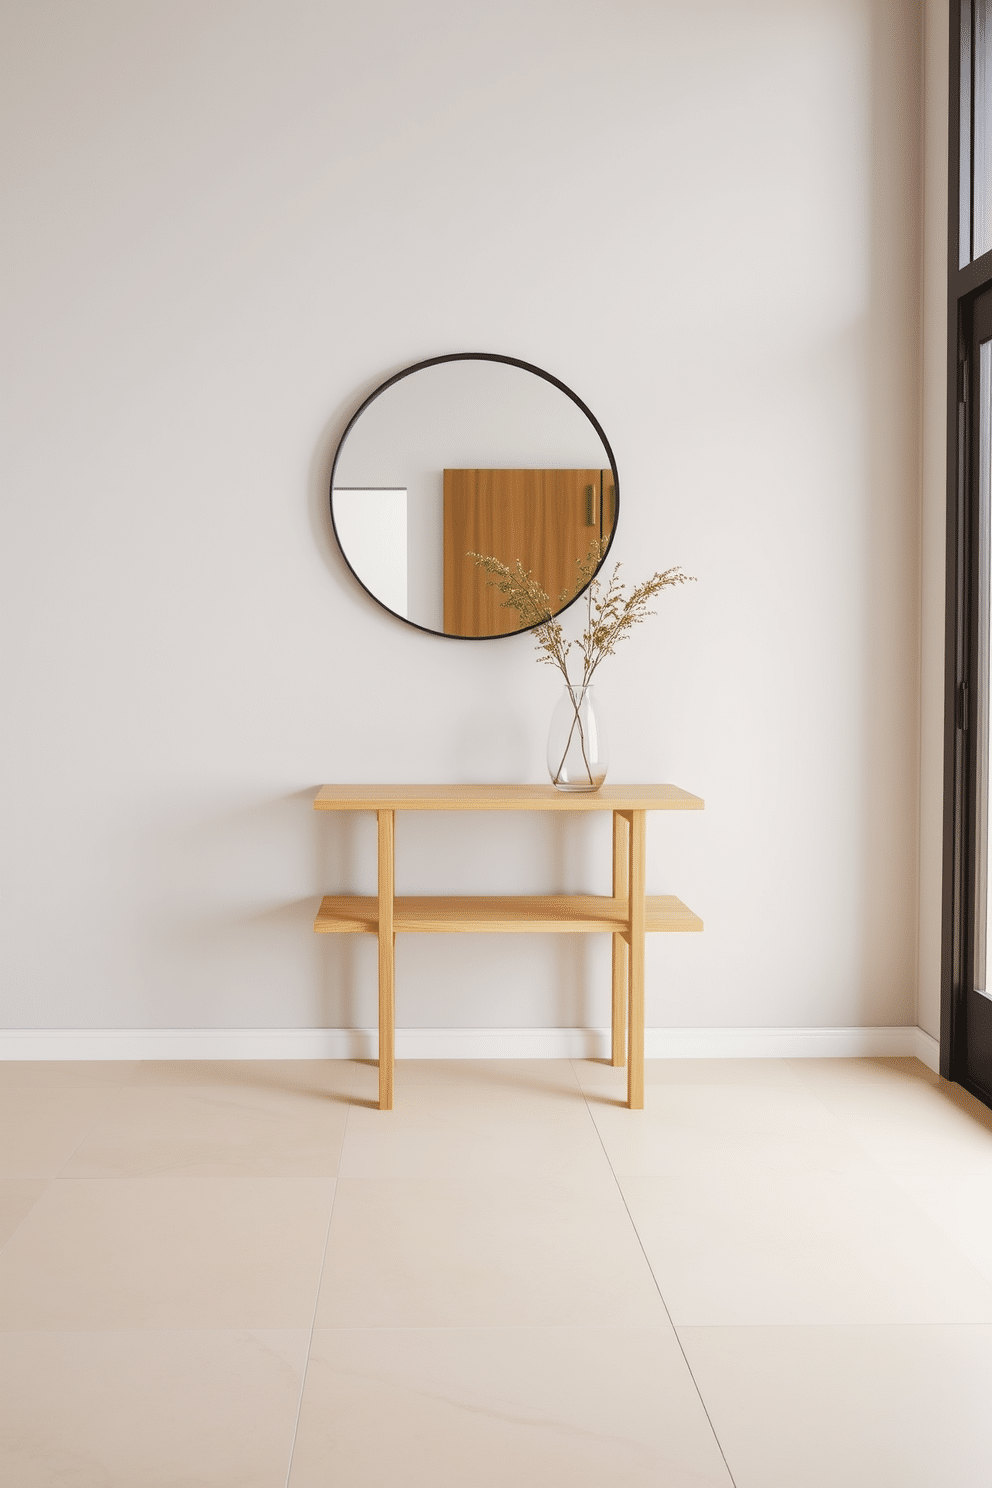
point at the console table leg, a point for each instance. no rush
(387, 956)
(637, 922)
(621, 886)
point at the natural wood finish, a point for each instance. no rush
(627, 914)
(635, 1014)
(621, 889)
(503, 798)
(609, 506)
(387, 956)
(575, 914)
(545, 518)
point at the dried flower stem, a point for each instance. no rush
(611, 615)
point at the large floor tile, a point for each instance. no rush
(334, 1077)
(493, 1083)
(216, 1129)
(958, 1199)
(483, 1249)
(18, 1197)
(167, 1253)
(858, 1407)
(599, 1077)
(557, 1408)
(826, 1246)
(714, 1128)
(41, 1127)
(148, 1410)
(902, 1114)
(16, 1073)
(525, 1116)
(892, 1072)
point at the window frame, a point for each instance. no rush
(964, 284)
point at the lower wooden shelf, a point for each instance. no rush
(342, 914)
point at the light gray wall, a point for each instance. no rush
(224, 224)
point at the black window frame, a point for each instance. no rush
(964, 284)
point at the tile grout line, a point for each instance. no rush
(320, 1279)
(118, 1092)
(675, 1331)
(25, 1217)
(56, 1177)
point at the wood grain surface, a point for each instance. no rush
(546, 519)
(503, 798)
(577, 914)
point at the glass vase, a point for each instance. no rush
(577, 751)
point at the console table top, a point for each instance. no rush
(503, 798)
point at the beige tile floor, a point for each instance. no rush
(777, 1275)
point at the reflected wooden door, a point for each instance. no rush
(545, 518)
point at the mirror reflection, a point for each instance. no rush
(464, 455)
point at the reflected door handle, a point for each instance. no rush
(590, 507)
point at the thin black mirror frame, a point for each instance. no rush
(474, 356)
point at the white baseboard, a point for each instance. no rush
(927, 1050)
(463, 1043)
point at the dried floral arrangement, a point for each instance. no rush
(610, 612)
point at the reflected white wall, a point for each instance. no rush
(372, 530)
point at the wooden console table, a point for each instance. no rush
(627, 914)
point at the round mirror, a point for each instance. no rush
(466, 456)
